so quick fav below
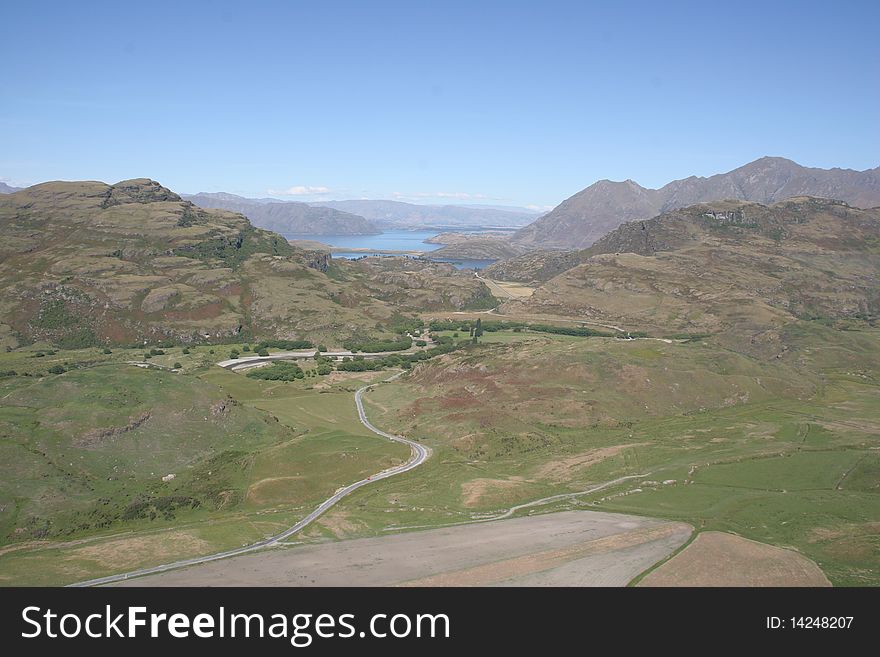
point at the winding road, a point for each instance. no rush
(419, 454)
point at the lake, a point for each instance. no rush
(392, 240)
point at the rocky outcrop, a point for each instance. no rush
(138, 190)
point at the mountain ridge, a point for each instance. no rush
(287, 217)
(398, 214)
(740, 267)
(583, 218)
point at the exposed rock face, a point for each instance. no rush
(139, 190)
(580, 220)
(317, 260)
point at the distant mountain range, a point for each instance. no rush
(7, 189)
(287, 217)
(396, 214)
(603, 206)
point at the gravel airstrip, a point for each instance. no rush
(572, 548)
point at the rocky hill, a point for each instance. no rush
(715, 266)
(470, 246)
(534, 267)
(86, 263)
(591, 213)
(7, 189)
(288, 217)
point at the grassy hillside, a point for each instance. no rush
(740, 268)
(87, 263)
(87, 456)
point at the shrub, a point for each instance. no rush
(57, 369)
(108, 350)
(186, 350)
(177, 366)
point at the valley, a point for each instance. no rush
(177, 383)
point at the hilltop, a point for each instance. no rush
(288, 217)
(473, 246)
(86, 263)
(580, 220)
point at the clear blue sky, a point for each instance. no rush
(496, 102)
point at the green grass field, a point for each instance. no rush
(85, 453)
(782, 451)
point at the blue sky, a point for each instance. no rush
(520, 103)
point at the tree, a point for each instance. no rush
(478, 328)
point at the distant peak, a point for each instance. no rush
(773, 161)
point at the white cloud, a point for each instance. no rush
(540, 208)
(301, 190)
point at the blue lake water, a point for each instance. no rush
(391, 240)
(458, 264)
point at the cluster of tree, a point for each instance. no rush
(404, 361)
(279, 371)
(374, 346)
(403, 324)
(581, 331)
(475, 328)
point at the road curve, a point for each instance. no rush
(419, 454)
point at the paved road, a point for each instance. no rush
(419, 453)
